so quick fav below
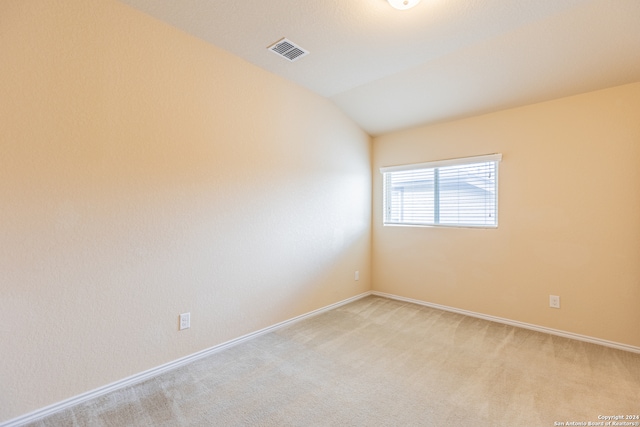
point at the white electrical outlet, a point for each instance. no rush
(554, 301)
(185, 321)
(357, 276)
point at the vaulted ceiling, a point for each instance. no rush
(443, 59)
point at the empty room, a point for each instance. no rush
(297, 213)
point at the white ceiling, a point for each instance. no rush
(443, 59)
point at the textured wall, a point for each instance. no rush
(569, 217)
(144, 173)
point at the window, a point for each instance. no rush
(458, 192)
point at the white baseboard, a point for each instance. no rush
(516, 323)
(142, 376)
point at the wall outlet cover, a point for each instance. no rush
(185, 321)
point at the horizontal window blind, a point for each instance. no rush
(457, 192)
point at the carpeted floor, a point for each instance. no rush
(380, 362)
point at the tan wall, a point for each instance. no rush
(145, 173)
(569, 217)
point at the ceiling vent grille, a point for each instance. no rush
(288, 50)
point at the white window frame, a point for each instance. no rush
(435, 165)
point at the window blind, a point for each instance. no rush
(456, 192)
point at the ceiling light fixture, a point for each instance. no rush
(403, 4)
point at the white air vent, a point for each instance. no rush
(288, 50)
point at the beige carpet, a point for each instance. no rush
(380, 362)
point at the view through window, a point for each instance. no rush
(457, 192)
